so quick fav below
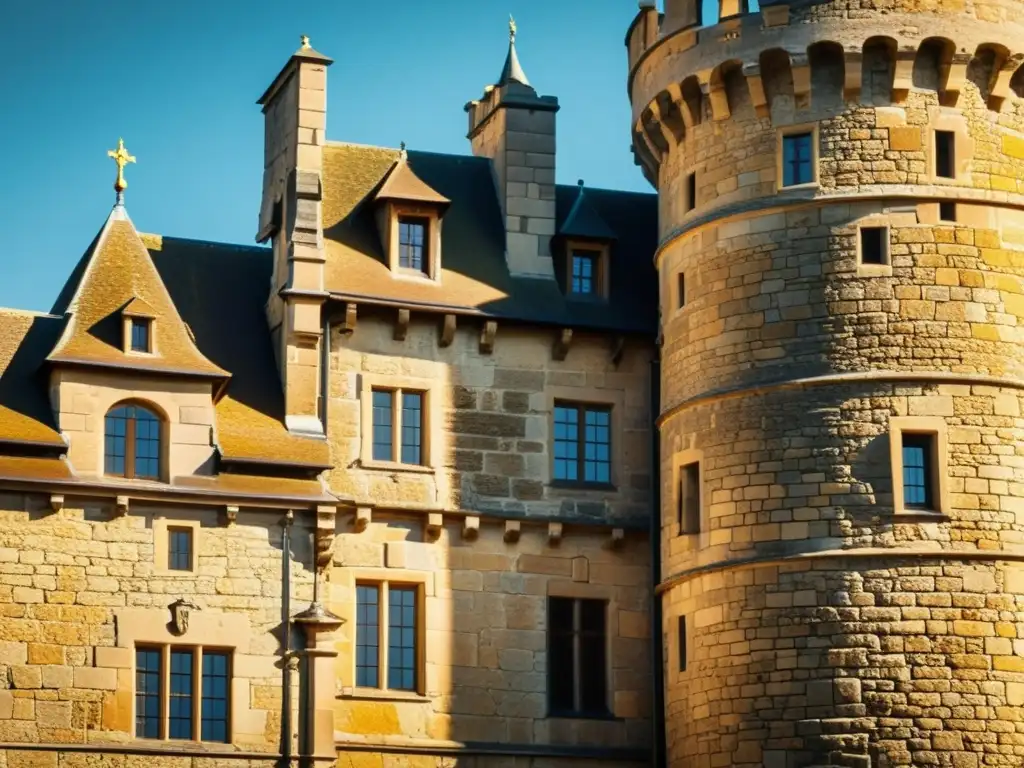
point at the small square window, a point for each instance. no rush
(797, 159)
(179, 549)
(412, 244)
(140, 327)
(682, 644)
(691, 191)
(947, 211)
(918, 470)
(681, 290)
(584, 273)
(945, 154)
(689, 498)
(874, 245)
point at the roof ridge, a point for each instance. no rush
(216, 243)
(27, 312)
(608, 189)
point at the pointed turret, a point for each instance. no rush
(513, 70)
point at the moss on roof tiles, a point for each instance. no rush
(253, 485)
(25, 413)
(402, 183)
(34, 468)
(117, 272)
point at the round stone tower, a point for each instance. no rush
(842, 447)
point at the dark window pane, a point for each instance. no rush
(917, 471)
(140, 334)
(411, 244)
(947, 210)
(147, 693)
(945, 154)
(689, 498)
(215, 696)
(681, 289)
(797, 159)
(584, 273)
(412, 428)
(179, 544)
(179, 723)
(566, 442)
(597, 446)
(402, 638)
(116, 426)
(383, 421)
(561, 669)
(873, 242)
(593, 676)
(367, 635)
(691, 192)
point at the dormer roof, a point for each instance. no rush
(117, 274)
(402, 183)
(584, 221)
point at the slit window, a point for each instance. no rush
(682, 643)
(947, 211)
(691, 191)
(797, 159)
(945, 154)
(874, 245)
(689, 498)
(388, 636)
(577, 657)
(918, 470)
(681, 290)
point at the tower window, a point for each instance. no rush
(874, 245)
(681, 289)
(797, 159)
(682, 644)
(947, 210)
(412, 239)
(918, 470)
(140, 330)
(689, 498)
(691, 191)
(945, 154)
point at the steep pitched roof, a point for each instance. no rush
(115, 273)
(583, 220)
(403, 184)
(513, 72)
(25, 414)
(474, 273)
(220, 291)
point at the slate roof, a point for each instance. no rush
(26, 418)
(116, 273)
(474, 274)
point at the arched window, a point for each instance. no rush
(132, 442)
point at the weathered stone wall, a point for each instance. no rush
(821, 624)
(79, 587)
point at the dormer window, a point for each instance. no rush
(140, 334)
(412, 243)
(584, 272)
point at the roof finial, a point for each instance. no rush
(402, 151)
(305, 41)
(512, 29)
(121, 159)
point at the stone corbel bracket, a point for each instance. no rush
(362, 518)
(562, 343)
(348, 325)
(617, 538)
(448, 326)
(512, 531)
(121, 505)
(470, 527)
(487, 334)
(618, 348)
(326, 517)
(230, 515)
(401, 325)
(435, 524)
(554, 534)
(56, 502)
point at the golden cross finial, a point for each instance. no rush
(121, 158)
(512, 29)
(305, 41)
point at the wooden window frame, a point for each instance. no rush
(424, 222)
(601, 254)
(582, 407)
(165, 650)
(383, 628)
(780, 155)
(130, 448)
(935, 427)
(392, 214)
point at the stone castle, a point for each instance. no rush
(384, 491)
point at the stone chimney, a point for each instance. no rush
(295, 117)
(515, 128)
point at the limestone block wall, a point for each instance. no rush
(485, 640)
(813, 620)
(80, 589)
(489, 420)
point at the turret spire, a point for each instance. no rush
(513, 71)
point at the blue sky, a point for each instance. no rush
(179, 82)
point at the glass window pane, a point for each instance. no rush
(367, 634)
(566, 442)
(402, 638)
(147, 444)
(140, 335)
(215, 696)
(584, 267)
(114, 441)
(797, 159)
(561, 667)
(412, 427)
(411, 240)
(147, 693)
(383, 422)
(917, 470)
(179, 723)
(179, 546)
(597, 451)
